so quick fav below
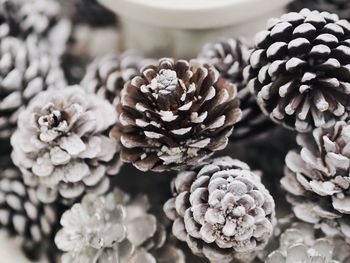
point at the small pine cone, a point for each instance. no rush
(221, 209)
(106, 76)
(110, 229)
(41, 18)
(298, 70)
(27, 68)
(23, 215)
(92, 13)
(175, 114)
(230, 57)
(299, 244)
(70, 151)
(317, 179)
(339, 7)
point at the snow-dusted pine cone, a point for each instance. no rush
(41, 18)
(299, 69)
(174, 114)
(221, 209)
(62, 145)
(317, 179)
(299, 244)
(111, 229)
(230, 57)
(27, 68)
(106, 76)
(23, 215)
(91, 12)
(339, 7)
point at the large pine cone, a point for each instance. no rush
(23, 215)
(175, 114)
(230, 57)
(62, 145)
(107, 76)
(109, 229)
(299, 70)
(221, 209)
(27, 68)
(317, 179)
(339, 7)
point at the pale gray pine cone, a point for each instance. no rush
(107, 75)
(175, 114)
(62, 144)
(299, 69)
(230, 56)
(317, 179)
(339, 7)
(112, 228)
(222, 210)
(41, 18)
(23, 215)
(299, 244)
(26, 68)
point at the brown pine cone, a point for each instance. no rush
(317, 179)
(106, 76)
(175, 114)
(230, 56)
(299, 70)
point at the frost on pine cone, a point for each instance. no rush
(106, 76)
(221, 209)
(299, 244)
(230, 57)
(299, 70)
(339, 7)
(22, 214)
(175, 114)
(317, 179)
(26, 68)
(113, 229)
(62, 145)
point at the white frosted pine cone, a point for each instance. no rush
(221, 209)
(112, 229)
(62, 144)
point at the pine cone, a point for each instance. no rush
(92, 13)
(298, 70)
(109, 229)
(106, 76)
(317, 179)
(230, 56)
(221, 209)
(298, 244)
(175, 114)
(23, 215)
(41, 18)
(69, 151)
(27, 68)
(339, 7)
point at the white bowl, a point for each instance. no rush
(179, 28)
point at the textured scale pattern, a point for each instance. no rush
(112, 229)
(339, 7)
(299, 69)
(22, 214)
(69, 151)
(221, 209)
(107, 76)
(317, 179)
(26, 68)
(175, 114)
(230, 56)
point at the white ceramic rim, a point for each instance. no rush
(193, 14)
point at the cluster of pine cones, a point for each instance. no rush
(85, 154)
